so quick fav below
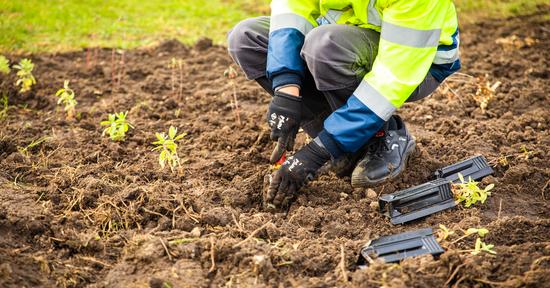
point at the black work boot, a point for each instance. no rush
(386, 156)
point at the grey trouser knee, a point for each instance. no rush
(247, 45)
(337, 58)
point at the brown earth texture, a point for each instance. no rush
(80, 210)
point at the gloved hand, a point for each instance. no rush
(283, 116)
(295, 172)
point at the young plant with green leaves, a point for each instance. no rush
(25, 78)
(444, 232)
(469, 192)
(117, 126)
(66, 97)
(4, 65)
(168, 147)
(481, 246)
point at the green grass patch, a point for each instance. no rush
(61, 25)
(472, 11)
(57, 25)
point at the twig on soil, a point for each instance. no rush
(166, 249)
(180, 67)
(173, 76)
(490, 282)
(212, 256)
(239, 226)
(113, 69)
(499, 208)
(190, 215)
(174, 216)
(91, 259)
(453, 274)
(463, 74)
(343, 264)
(458, 281)
(237, 111)
(252, 234)
(260, 136)
(154, 213)
(231, 74)
(94, 58)
(122, 71)
(544, 188)
(88, 53)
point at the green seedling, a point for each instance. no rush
(25, 150)
(525, 153)
(481, 246)
(117, 126)
(444, 232)
(481, 232)
(166, 144)
(4, 65)
(66, 97)
(469, 191)
(503, 161)
(26, 79)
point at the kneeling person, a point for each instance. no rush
(339, 71)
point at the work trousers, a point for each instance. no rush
(337, 58)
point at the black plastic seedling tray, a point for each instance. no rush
(395, 248)
(434, 196)
(417, 202)
(475, 168)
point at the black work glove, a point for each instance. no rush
(295, 172)
(283, 116)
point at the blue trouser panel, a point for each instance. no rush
(337, 58)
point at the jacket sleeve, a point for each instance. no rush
(409, 38)
(290, 21)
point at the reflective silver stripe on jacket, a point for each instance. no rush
(446, 57)
(410, 37)
(290, 20)
(373, 17)
(376, 102)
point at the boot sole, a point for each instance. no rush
(359, 181)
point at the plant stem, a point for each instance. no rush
(237, 112)
(113, 69)
(180, 66)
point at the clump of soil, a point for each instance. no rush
(79, 210)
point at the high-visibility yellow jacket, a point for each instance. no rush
(417, 37)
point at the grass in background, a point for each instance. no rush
(61, 25)
(471, 11)
(58, 25)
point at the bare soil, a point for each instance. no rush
(80, 210)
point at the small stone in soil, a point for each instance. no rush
(374, 205)
(196, 232)
(371, 194)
